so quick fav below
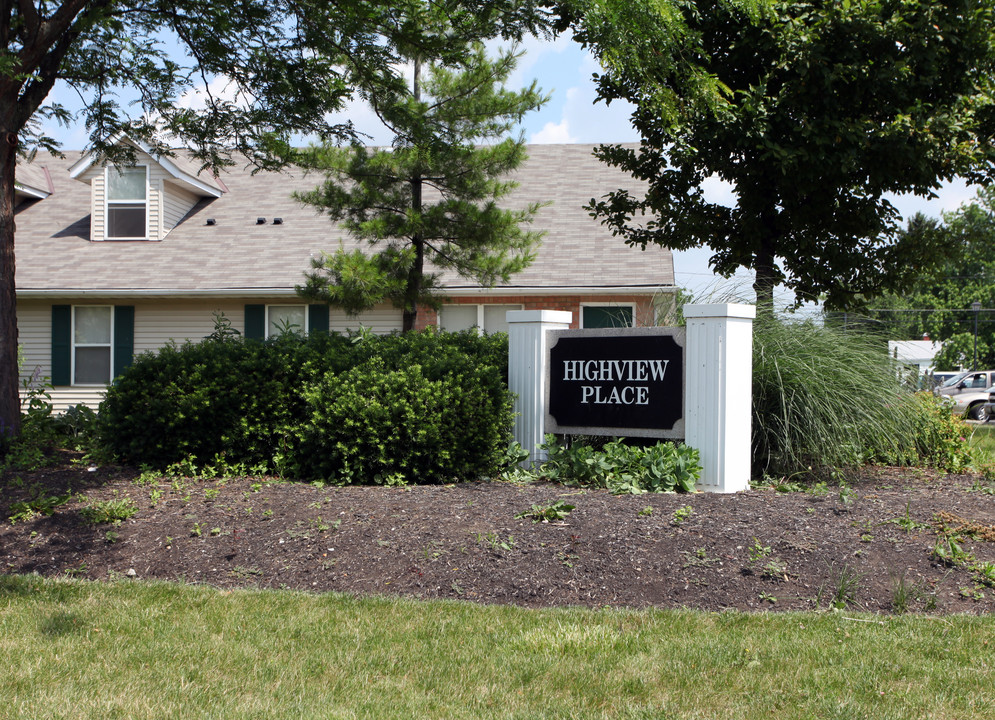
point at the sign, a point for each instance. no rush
(616, 382)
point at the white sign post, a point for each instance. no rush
(528, 353)
(718, 396)
(718, 393)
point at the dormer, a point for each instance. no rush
(141, 202)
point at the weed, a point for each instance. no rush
(155, 496)
(901, 594)
(215, 531)
(195, 531)
(973, 593)
(844, 584)
(681, 514)
(244, 572)
(566, 559)
(111, 537)
(115, 510)
(76, 571)
(866, 538)
(906, 522)
(432, 552)
(984, 574)
(847, 495)
(768, 598)
(41, 504)
(699, 558)
(757, 552)
(211, 493)
(267, 513)
(645, 512)
(456, 588)
(949, 551)
(494, 541)
(775, 569)
(547, 513)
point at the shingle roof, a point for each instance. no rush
(54, 252)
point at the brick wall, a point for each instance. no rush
(645, 315)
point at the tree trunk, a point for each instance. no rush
(10, 404)
(766, 278)
(413, 288)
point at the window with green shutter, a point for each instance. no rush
(91, 344)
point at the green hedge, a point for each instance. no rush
(424, 407)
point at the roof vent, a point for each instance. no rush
(260, 221)
(211, 221)
(278, 221)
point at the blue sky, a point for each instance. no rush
(564, 71)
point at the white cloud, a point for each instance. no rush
(552, 133)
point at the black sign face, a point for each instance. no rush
(617, 382)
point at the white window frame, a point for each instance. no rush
(126, 203)
(479, 325)
(110, 346)
(630, 305)
(307, 318)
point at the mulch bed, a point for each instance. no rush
(757, 550)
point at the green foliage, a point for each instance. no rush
(41, 504)
(389, 426)
(664, 467)
(825, 397)
(552, 512)
(432, 196)
(966, 274)
(423, 407)
(821, 110)
(114, 510)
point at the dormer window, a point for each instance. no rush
(127, 203)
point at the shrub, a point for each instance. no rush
(664, 467)
(824, 397)
(388, 426)
(262, 404)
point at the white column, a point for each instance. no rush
(718, 397)
(528, 354)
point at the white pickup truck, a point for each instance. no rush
(970, 392)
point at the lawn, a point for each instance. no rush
(78, 649)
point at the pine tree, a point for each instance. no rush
(431, 201)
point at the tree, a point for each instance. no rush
(429, 202)
(823, 108)
(939, 303)
(287, 64)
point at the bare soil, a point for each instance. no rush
(757, 550)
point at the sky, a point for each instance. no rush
(564, 72)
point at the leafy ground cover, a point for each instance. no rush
(884, 541)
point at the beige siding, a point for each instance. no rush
(34, 335)
(177, 202)
(95, 176)
(155, 202)
(381, 320)
(156, 324)
(179, 321)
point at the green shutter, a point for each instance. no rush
(62, 328)
(255, 322)
(317, 319)
(124, 337)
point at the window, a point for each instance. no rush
(282, 319)
(488, 318)
(127, 203)
(607, 316)
(93, 328)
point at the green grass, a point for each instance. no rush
(983, 444)
(74, 649)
